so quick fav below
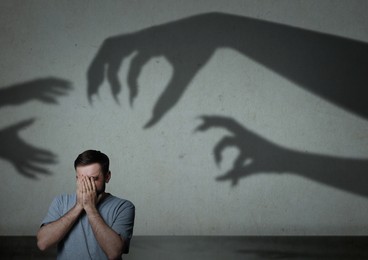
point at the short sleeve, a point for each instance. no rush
(124, 221)
(54, 212)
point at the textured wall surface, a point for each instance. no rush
(219, 117)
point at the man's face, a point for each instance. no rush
(94, 171)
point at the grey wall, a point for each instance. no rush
(282, 86)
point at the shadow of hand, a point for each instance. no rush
(181, 44)
(310, 59)
(27, 159)
(258, 155)
(45, 90)
(242, 164)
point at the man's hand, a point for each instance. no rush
(79, 203)
(89, 194)
(87, 197)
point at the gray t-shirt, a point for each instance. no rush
(80, 242)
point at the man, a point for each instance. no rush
(90, 224)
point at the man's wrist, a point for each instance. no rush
(91, 210)
(78, 207)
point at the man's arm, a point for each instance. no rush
(111, 243)
(52, 233)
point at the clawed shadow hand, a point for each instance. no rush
(242, 165)
(46, 90)
(311, 60)
(258, 155)
(179, 43)
(27, 159)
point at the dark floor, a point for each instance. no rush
(213, 247)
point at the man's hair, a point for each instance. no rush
(92, 156)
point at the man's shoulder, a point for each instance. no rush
(65, 198)
(119, 201)
(66, 195)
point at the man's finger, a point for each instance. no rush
(88, 183)
(80, 183)
(79, 180)
(85, 187)
(93, 184)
